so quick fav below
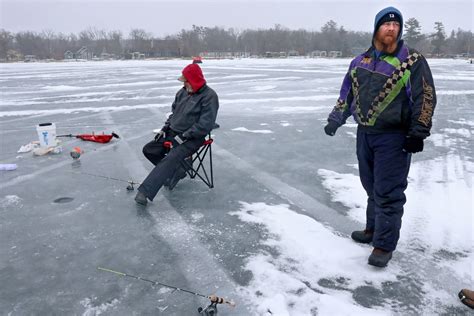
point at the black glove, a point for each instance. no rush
(331, 128)
(179, 139)
(165, 128)
(159, 135)
(413, 144)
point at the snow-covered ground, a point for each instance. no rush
(274, 232)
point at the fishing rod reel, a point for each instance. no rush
(211, 310)
(130, 186)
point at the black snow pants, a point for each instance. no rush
(166, 161)
(383, 170)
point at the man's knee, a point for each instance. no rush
(178, 154)
(393, 200)
(147, 152)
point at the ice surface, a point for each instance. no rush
(274, 232)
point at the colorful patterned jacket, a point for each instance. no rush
(391, 93)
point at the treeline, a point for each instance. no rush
(199, 39)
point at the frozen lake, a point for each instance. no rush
(274, 233)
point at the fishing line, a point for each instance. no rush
(213, 298)
(130, 186)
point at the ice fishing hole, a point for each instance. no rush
(64, 199)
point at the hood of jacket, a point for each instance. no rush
(194, 76)
(382, 14)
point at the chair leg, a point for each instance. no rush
(210, 166)
(196, 171)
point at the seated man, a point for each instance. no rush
(194, 112)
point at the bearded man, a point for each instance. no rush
(390, 92)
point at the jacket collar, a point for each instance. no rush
(371, 51)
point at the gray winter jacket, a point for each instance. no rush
(194, 115)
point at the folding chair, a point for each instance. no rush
(202, 170)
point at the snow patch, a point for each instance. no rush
(257, 131)
(455, 78)
(196, 217)
(92, 310)
(462, 122)
(10, 201)
(464, 132)
(241, 76)
(443, 140)
(282, 99)
(61, 88)
(454, 92)
(299, 109)
(308, 252)
(262, 88)
(352, 134)
(346, 189)
(439, 225)
(84, 109)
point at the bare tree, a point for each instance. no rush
(191, 42)
(140, 41)
(114, 45)
(30, 43)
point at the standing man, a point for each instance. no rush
(390, 92)
(194, 113)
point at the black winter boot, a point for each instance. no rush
(141, 199)
(363, 236)
(379, 257)
(467, 297)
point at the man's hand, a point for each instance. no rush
(180, 139)
(159, 135)
(331, 128)
(166, 128)
(413, 144)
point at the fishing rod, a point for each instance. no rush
(97, 138)
(213, 298)
(130, 186)
(78, 135)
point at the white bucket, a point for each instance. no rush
(47, 134)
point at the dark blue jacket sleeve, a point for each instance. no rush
(423, 99)
(342, 110)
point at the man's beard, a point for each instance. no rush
(387, 42)
(385, 46)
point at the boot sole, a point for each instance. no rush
(144, 203)
(378, 264)
(361, 241)
(466, 300)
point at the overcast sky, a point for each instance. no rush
(168, 17)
